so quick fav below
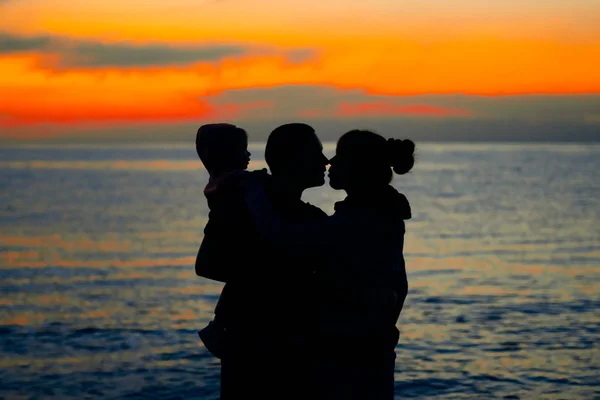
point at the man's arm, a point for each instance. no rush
(325, 234)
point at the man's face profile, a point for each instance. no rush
(311, 162)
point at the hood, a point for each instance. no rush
(231, 180)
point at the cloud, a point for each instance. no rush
(10, 44)
(310, 113)
(89, 54)
(320, 101)
(240, 110)
(330, 110)
(301, 56)
(316, 101)
(33, 114)
(174, 111)
(389, 108)
(592, 118)
(99, 55)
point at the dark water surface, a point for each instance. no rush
(100, 300)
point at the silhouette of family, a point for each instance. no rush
(310, 301)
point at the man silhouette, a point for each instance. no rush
(266, 306)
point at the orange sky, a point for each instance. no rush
(114, 61)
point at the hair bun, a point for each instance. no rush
(401, 155)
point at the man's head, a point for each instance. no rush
(222, 147)
(295, 153)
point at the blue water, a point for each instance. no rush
(99, 298)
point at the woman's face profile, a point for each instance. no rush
(338, 172)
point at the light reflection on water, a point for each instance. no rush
(99, 297)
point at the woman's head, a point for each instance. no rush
(366, 159)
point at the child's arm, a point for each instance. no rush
(222, 249)
(209, 261)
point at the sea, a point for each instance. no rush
(99, 299)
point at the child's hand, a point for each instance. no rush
(262, 173)
(254, 179)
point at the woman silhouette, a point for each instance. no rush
(360, 275)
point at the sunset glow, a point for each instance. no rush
(126, 62)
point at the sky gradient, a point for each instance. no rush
(86, 69)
